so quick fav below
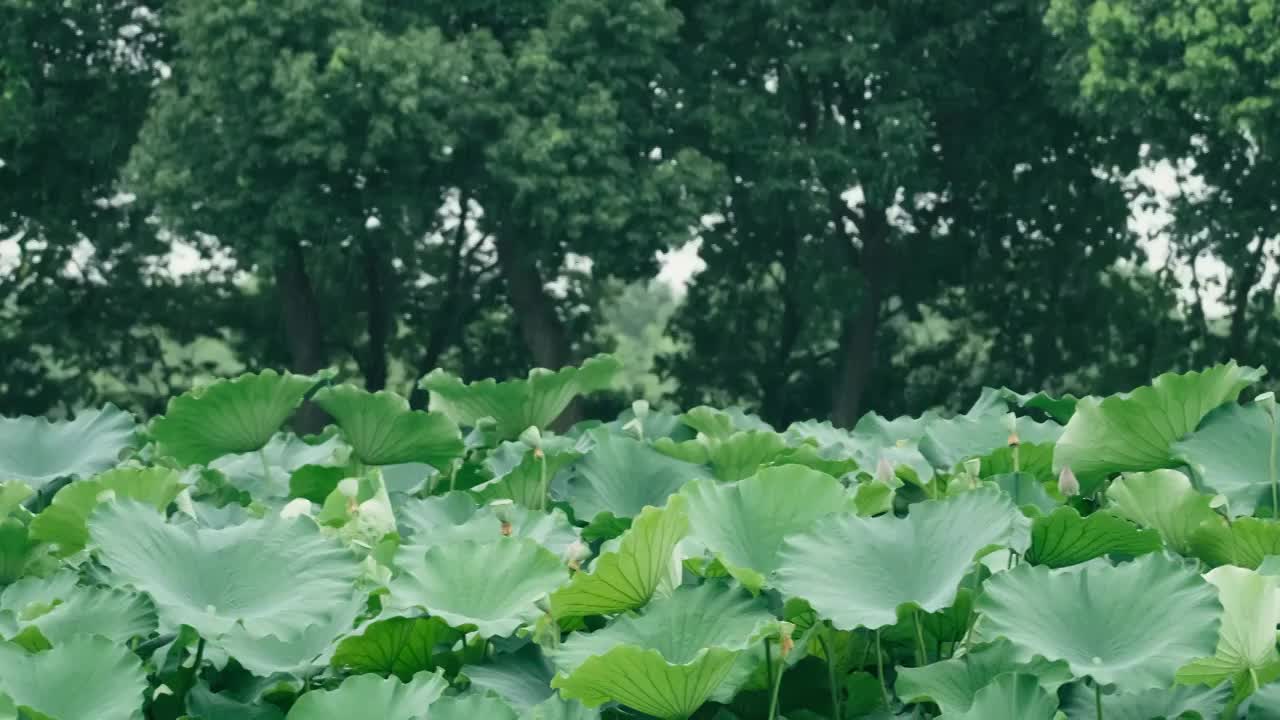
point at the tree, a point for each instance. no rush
(1196, 82)
(886, 160)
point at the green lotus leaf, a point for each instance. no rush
(493, 586)
(744, 523)
(287, 574)
(1063, 538)
(85, 677)
(1059, 408)
(621, 476)
(554, 708)
(625, 578)
(268, 472)
(667, 661)
(1247, 638)
(397, 646)
(237, 415)
(382, 430)
(1245, 542)
(64, 522)
(1035, 459)
(1230, 453)
(36, 450)
(204, 704)
(370, 696)
(455, 517)
(918, 560)
(953, 684)
(946, 443)
(1162, 500)
(1110, 623)
(1012, 696)
(12, 495)
(1265, 703)
(296, 653)
(1177, 703)
(20, 554)
(31, 596)
(1134, 431)
(731, 458)
(516, 405)
(521, 476)
(115, 614)
(872, 498)
(472, 707)
(1026, 491)
(522, 678)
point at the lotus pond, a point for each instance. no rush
(1031, 558)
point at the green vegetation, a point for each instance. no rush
(402, 564)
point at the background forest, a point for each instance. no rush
(811, 209)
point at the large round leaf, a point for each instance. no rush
(1013, 696)
(1178, 703)
(272, 576)
(36, 450)
(64, 521)
(1135, 430)
(1165, 501)
(1247, 638)
(1110, 623)
(953, 684)
(1063, 538)
(117, 615)
(516, 405)
(267, 473)
(370, 696)
(1230, 453)
(625, 578)
(237, 415)
(622, 476)
(520, 473)
(84, 677)
(383, 430)
(493, 586)
(473, 707)
(744, 523)
(455, 517)
(669, 660)
(399, 646)
(858, 572)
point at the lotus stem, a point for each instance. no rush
(884, 688)
(1275, 481)
(453, 475)
(545, 485)
(266, 466)
(774, 680)
(1097, 698)
(922, 655)
(831, 671)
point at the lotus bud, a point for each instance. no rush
(1068, 485)
(502, 510)
(884, 471)
(296, 508)
(532, 437)
(574, 554)
(785, 642)
(505, 529)
(1013, 440)
(973, 471)
(349, 487)
(1268, 402)
(640, 408)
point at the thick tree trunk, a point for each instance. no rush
(535, 312)
(379, 321)
(858, 339)
(303, 331)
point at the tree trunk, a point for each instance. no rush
(858, 340)
(379, 321)
(535, 312)
(302, 329)
(1244, 280)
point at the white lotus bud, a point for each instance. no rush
(1067, 483)
(532, 437)
(575, 553)
(884, 471)
(296, 508)
(349, 487)
(1268, 402)
(640, 408)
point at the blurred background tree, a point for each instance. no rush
(807, 209)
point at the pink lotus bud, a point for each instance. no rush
(785, 642)
(1067, 483)
(1014, 440)
(884, 471)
